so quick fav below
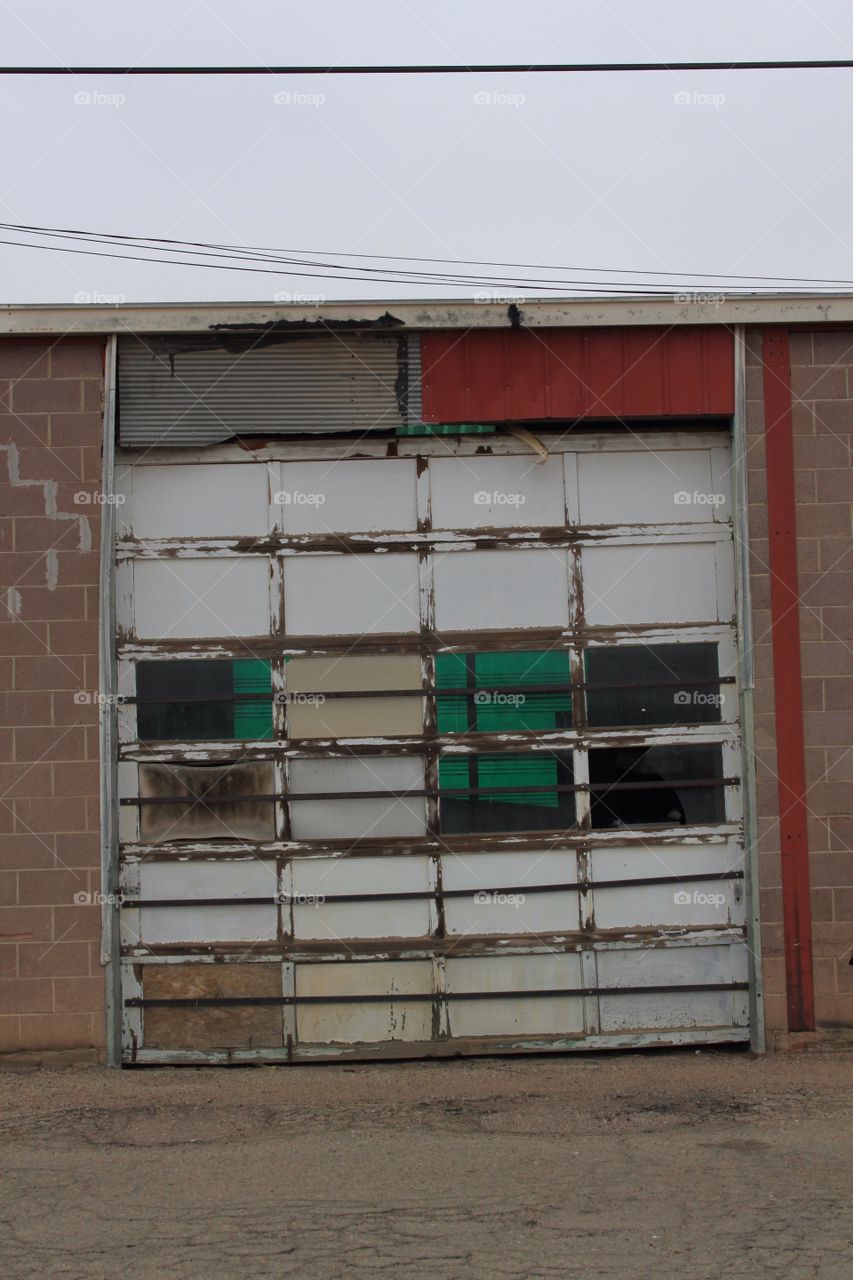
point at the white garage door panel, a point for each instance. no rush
(351, 1023)
(226, 923)
(321, 878)
(349, 497)
(647, 487)
(183, 599)
(350, 595)
(516, 908)
(536, 1015)
(671, 966)
(693, 902)
(663, 583)
(199, 501)
(356, 819)
(473, 493)
(484, 590)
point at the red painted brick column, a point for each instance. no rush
(51, 982)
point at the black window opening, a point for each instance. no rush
(656, 786)
(506, 792)
(658, 684)
(209, 699)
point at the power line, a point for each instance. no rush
(229, 253)
(520, 68)
(582, 287)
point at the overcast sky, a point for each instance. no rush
(747, 172)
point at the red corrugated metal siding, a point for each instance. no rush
(517, 375)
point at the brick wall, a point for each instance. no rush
(51, 982)
(822, 386)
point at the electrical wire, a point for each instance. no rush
(519, 68)
(227, 254)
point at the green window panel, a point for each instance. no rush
(490, 709)
(252, 718)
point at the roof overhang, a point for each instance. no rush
(222, 317)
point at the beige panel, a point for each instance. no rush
(352, 1023)
(228, 1027)
(353, 717)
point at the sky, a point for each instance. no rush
(701, 173)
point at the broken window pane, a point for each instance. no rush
(210, 699)
(505, 792)
(498, 697)
(683, 673)
(636, 786)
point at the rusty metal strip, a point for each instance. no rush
(140, 1002)
(421, 894)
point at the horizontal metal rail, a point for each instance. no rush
(409, 895)
(396, 997)
(285, 698)
(444, 792)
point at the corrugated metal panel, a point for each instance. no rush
(518, 375)
(329, 383)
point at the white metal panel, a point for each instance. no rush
(227, 923)
(357, 819)
(693, 902)
(182, 599)
(682, 967)
(317, 879)
(352, 1023)
(347, 595)
(651, 583)
(519, 1016)
(650, 486)
(198, 501)
(490, 492)
(486, 590)
(348, 497)
(500, 897)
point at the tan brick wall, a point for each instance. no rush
(51, 982)
(822, 386)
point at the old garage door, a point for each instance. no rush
(429, 753)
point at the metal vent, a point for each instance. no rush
(171, 394)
